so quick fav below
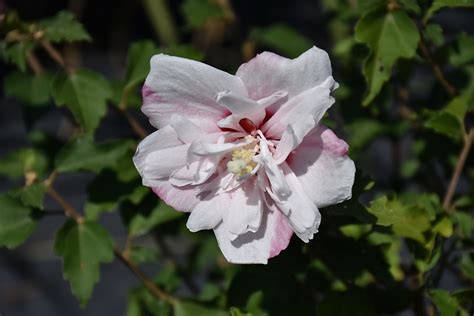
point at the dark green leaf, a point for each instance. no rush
(83, 248)
(198, 12)
(445, 303)
(15, 53)
(434, 33)
(463, 53)
(282, 38)
(33, 90)
(85, 93)
(63, 27)
(405, 221)
(390, 36)
(140, 225)
(445, 123)
(31, 195)
(16, 222)
(138, 63)
(16, 163)
(83, 154)
(188, 308)
(183, 50)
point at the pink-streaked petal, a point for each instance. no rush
(301, 212)
(159, 140)
(186, 87)
(208, 213)
(183, 199)
(308, 106)
(244, 209)
(258, 247)
(323, 168)
(161, 163)
(268, 73)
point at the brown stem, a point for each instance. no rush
(436, 69)
(70, 211)
(468, 139)
(34, 63)
(147, 282)
(134, 124)
(55, 55)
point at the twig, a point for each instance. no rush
(436, 69)
(134, 124)
(468, 139)
(147, 282)
(34, 63)
(70, 211)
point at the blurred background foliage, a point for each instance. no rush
(403, 245)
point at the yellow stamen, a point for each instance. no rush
(242, 163)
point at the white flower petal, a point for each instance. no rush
(159, 140)
(244, 209)
(186, 87)
(162, 163)
(302, 213)
(208, 213)
(322, 166)
(186, 130)
(195, 173)
(272, 237)
(305, 109)
(268, 73)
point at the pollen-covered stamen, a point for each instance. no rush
(242, 162)
(248, 126)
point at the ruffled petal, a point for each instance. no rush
(272, 237)
(208, 213)
(159, 140)
(161, 163)
(322, 166)
(301, 212)
(188, 88)
(308, 106)
(244, 209)
(268, 73)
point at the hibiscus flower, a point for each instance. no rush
(245, 154)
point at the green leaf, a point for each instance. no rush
(140, 254)
(434, 34)
(31, 195)
(390, 36)
(188, 308)
(282, 38)
(63, 27)
(85, 93)
(16, 222)
(440, 4)
(83, 247)
(17, 163)
(140, 224)
(138, 63)
(33, 90)
(234, 311)
(86, 155)
(406, 221)
(445, 123)
(15, 53)
(198, 12)
(410, 5)
(463, 52)
(183, 50)
(445, 303)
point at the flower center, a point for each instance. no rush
(242, 163)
